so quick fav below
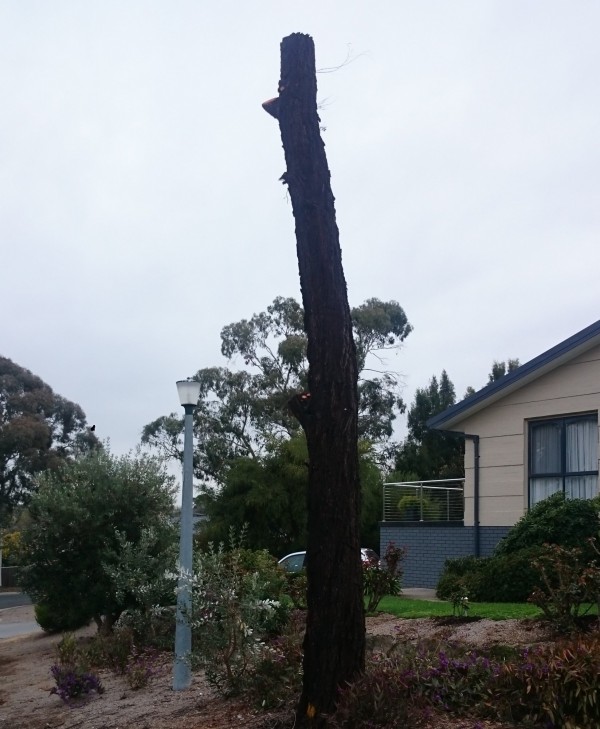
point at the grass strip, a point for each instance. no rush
(404, 607)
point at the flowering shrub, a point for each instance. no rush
(402, 690)
(555, 686)
(277, 673)
(232, 617)
(70, 672)
(119, 653)
(552, 686)
(72, 682)
(381, 579)
(382, 698)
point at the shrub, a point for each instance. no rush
(385, 578)
(99, 534)
(383, 697)
(506, 578)
(401, 690)
(460, 604)
(457, 575)
(295, 588)
(260, 561)
(231, 616)
(142, 665)
(414, 508)
(153, 627)
(73, 683)
(276, 677)
(566, 584)
(555, 520)
(70, 672)
(111, 651)
(54, 618)
(555, 686)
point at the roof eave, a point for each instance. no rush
(540, 365)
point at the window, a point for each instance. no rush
(563, 456)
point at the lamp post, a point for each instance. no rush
(189, 391)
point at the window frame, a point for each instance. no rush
(563, 421)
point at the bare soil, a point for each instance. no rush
(25, 682)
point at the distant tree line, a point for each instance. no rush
(251, 458)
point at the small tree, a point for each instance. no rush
(100, 535)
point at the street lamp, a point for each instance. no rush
(189, 392)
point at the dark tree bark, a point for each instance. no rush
(334, 645)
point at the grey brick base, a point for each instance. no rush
(429, 545)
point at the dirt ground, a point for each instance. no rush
(25, 683)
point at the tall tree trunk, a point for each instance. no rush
(334, 645)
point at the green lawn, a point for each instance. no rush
(404, 607)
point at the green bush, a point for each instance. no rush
(100, 535)
(59, 618)
(555, 520)
(272, 576)
(459, 575)
(295, 588)
(510, 578)
(409, 507)
(510, 575)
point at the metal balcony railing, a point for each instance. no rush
(424, 501)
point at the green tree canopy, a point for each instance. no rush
(100, 536)
(243, 413)
(429, 454)
(498, 370)
(269, 497)
(39, 430)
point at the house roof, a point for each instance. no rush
(538, 366)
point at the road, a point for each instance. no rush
(15, 623)
(13, 599)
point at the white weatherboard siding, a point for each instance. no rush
(572, 388)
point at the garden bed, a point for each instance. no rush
(25, 682)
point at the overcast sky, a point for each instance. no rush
(140, 208)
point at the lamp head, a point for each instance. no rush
(189, 392)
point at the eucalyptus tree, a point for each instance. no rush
(243, 407)
(39, 430)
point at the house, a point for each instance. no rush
(529, 434)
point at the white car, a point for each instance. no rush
(294, 562)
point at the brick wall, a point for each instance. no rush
(429, 545)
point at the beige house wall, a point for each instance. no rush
(572, 388)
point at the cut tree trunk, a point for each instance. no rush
(334, 645)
